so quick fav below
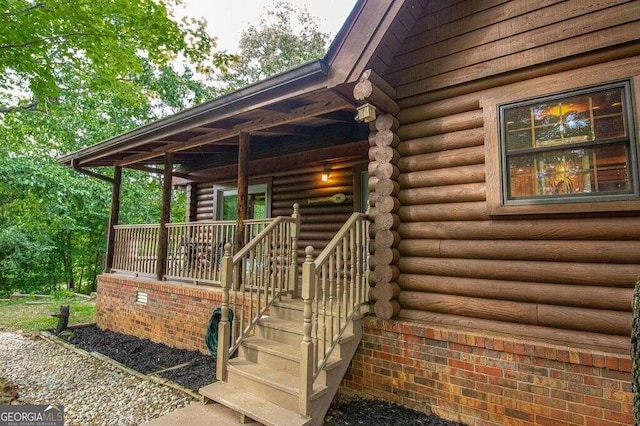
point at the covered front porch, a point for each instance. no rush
(275, 235)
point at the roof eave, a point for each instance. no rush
(269, 87)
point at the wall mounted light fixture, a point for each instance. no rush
(366, 113)
(325, 175)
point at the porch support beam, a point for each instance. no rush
(165, 217)
(114, 218)
(297, 114)
(243, 186)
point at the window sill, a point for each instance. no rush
(497, 209)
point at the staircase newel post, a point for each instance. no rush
(293, 267)
(306, 346)
(224, 327)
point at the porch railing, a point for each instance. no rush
(136, 248)
(194, 249)
(252, 279)
(334, 287)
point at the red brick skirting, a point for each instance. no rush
(482, 379)
(175, 314)
(479, 379)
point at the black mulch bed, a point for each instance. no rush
(359, 411)
(148, 357)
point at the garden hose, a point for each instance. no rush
(211, 338)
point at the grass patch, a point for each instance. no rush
(17, 314)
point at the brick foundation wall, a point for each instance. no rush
(175, 314)
(481, 379)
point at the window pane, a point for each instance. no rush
(230, 207)
(256, 205)
(575, 119)
(608, 120)
(519, 131)
(594, 170)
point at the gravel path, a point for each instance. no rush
(93, 392)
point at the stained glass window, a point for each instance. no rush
(569, 147)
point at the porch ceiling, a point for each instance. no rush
(276, 127)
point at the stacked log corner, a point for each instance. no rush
(384, 188)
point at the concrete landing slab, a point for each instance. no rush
(198, 414)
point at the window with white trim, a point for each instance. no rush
(258, 203)
(570, 147)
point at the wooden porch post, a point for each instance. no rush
(243, 187)
(114, 218)
(165, 217)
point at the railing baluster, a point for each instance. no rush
(332, 289)
(131, 246)
(209, 251)
(140, 252)
(352, 260)
(325, 271)
(338, 312)
(345, 279)
(153, 256)
(358, 244)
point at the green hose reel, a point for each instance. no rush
(211, 338)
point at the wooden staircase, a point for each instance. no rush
(263, 381)
(291, 353)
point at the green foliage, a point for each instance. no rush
(74, 74)
(285, 38)
(62, 294)
(103, 43)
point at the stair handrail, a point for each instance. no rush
(266, 266)
(342, 262)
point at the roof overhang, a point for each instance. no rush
(312, 99)
(298, 81)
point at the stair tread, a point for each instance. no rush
(283, 350)
(281, 324)
(253, 406)
(275, 378)
(295, 304)
(199, 414)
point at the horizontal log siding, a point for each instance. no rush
(204, 202)
(471, 40)
(562, 276)
(319, 222)
(297, 186)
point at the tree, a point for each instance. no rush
(82, 87)
(103, 44)
(284, 38)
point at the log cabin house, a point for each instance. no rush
(497, 153)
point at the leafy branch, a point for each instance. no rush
(32, 106)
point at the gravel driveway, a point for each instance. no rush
(93, 392)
